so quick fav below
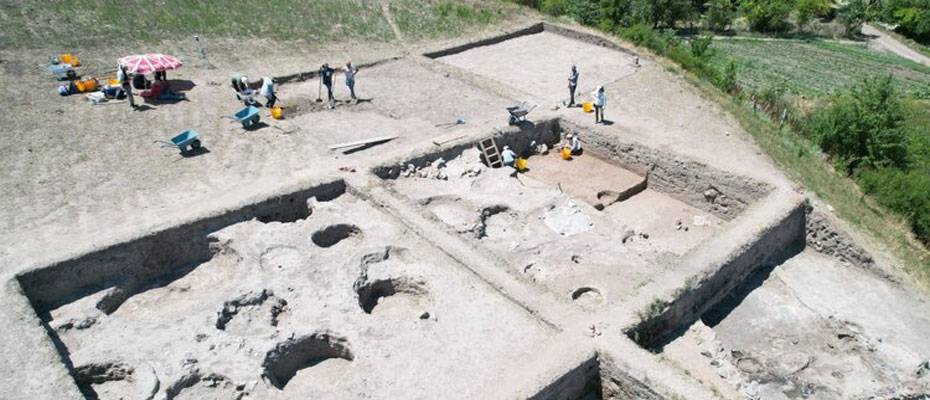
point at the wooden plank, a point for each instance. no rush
(364, 141)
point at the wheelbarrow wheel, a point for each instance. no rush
(195, 145)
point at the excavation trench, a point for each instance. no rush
(596, 378)
(723, 194)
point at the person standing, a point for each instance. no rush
(350, 79)
(123, 78)
(572, 85)
(600, 101)
(326, 76)
(268, 92)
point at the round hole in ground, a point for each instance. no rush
(374, 293)
(292, 355)
(333, 234)
(280, 257)
(587, 296)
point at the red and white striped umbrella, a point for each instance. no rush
(149, 63)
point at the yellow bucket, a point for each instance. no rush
(277, 113)
(69, 59)
(566, 153)
(520, 164)
(587, 107)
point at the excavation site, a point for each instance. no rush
(664, 259)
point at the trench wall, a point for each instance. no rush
(530, 30)
(134, 263)
(518, 138)
(776, 242)
(723, 194)
(596, 377)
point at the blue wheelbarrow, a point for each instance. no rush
(248, 117)
(188, 139)
(62, 72)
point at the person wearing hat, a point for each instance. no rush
(508, 156)
(573, 144)
(268, 92)
(326, 76)
(600, 101)
(572, 85)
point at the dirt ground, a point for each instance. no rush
(814, 329)
(272, 282)
(547, 228)
(539, 64)
(518, 276)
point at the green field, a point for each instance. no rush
(87, 23)
(818, 67)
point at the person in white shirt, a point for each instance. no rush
(268, 91)
(508, 156)
(350, 78)
(124, 82)
(573, 144)
(600, 101)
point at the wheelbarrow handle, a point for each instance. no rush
(164, 143)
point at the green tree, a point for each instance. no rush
(865, 127)
(719, 14)
(807, 10)
(911, 16)
(767, 15)
(853, 14)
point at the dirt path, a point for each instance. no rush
(882, 41)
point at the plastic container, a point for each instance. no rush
(566, 153)
(587, 107)
(69, 59)
(277, 113)
(86, 85)
(520, 164)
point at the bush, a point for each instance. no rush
(853, 14)
(555, 7)
(719, 14)
(728, 79)
(767, 15)
(911, 16)
(584, 11)
(700, 47)
(807, 10)
(904, 192)
(865, 127)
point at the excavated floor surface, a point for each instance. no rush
(359, 300)
(348, 272)
(546, 228)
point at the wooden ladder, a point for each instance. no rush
(488, 147)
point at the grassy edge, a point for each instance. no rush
(804, 164)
